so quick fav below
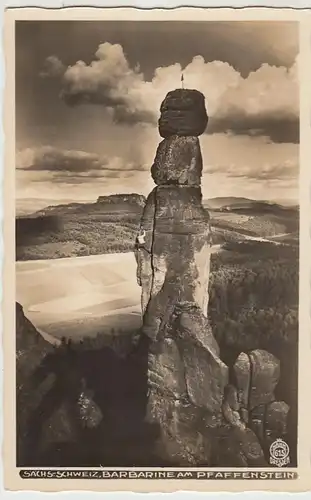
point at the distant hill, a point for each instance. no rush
(29, 206)
(221, 201)
(116, 199)
(245, 204)
(111, 224)
(108, 225)
(116, 203)
(287, 203)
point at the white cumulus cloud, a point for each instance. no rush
(265, 102)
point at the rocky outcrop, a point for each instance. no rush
(186, 377)
(256, 376)
(250, 404)
(53, 402)
(31, 350)
(186, 385)
(132, 198)
(204, 416)
(237, 447)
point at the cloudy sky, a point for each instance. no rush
(88, 97)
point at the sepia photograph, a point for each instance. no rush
(157, 239)
(156, 171)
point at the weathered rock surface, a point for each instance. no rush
(250, 403)
(31, 347)
(257, 374)
(265, 375)
(183, 113)
(182, 440)
(269, 421)
(52, 400)
(166, 369)
(257, 421)
(237, 447)
(206, 375)
(187, 381)
(242, 373)
(178, 161)
(248, 446)
(175, 224)
(31, 350)
(276, 419)
(195, 325)
(183, 99)
(231, 407)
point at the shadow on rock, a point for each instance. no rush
(115, 433)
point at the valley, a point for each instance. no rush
(76, 270)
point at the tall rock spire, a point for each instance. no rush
(186, 377)
(202, 417)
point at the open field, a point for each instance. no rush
(79, 296)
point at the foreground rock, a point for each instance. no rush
(53, 402)
(31, 350)
(249, 403)
(186, 382)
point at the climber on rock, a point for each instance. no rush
(141, 238)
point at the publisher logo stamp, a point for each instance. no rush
(279, 453)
